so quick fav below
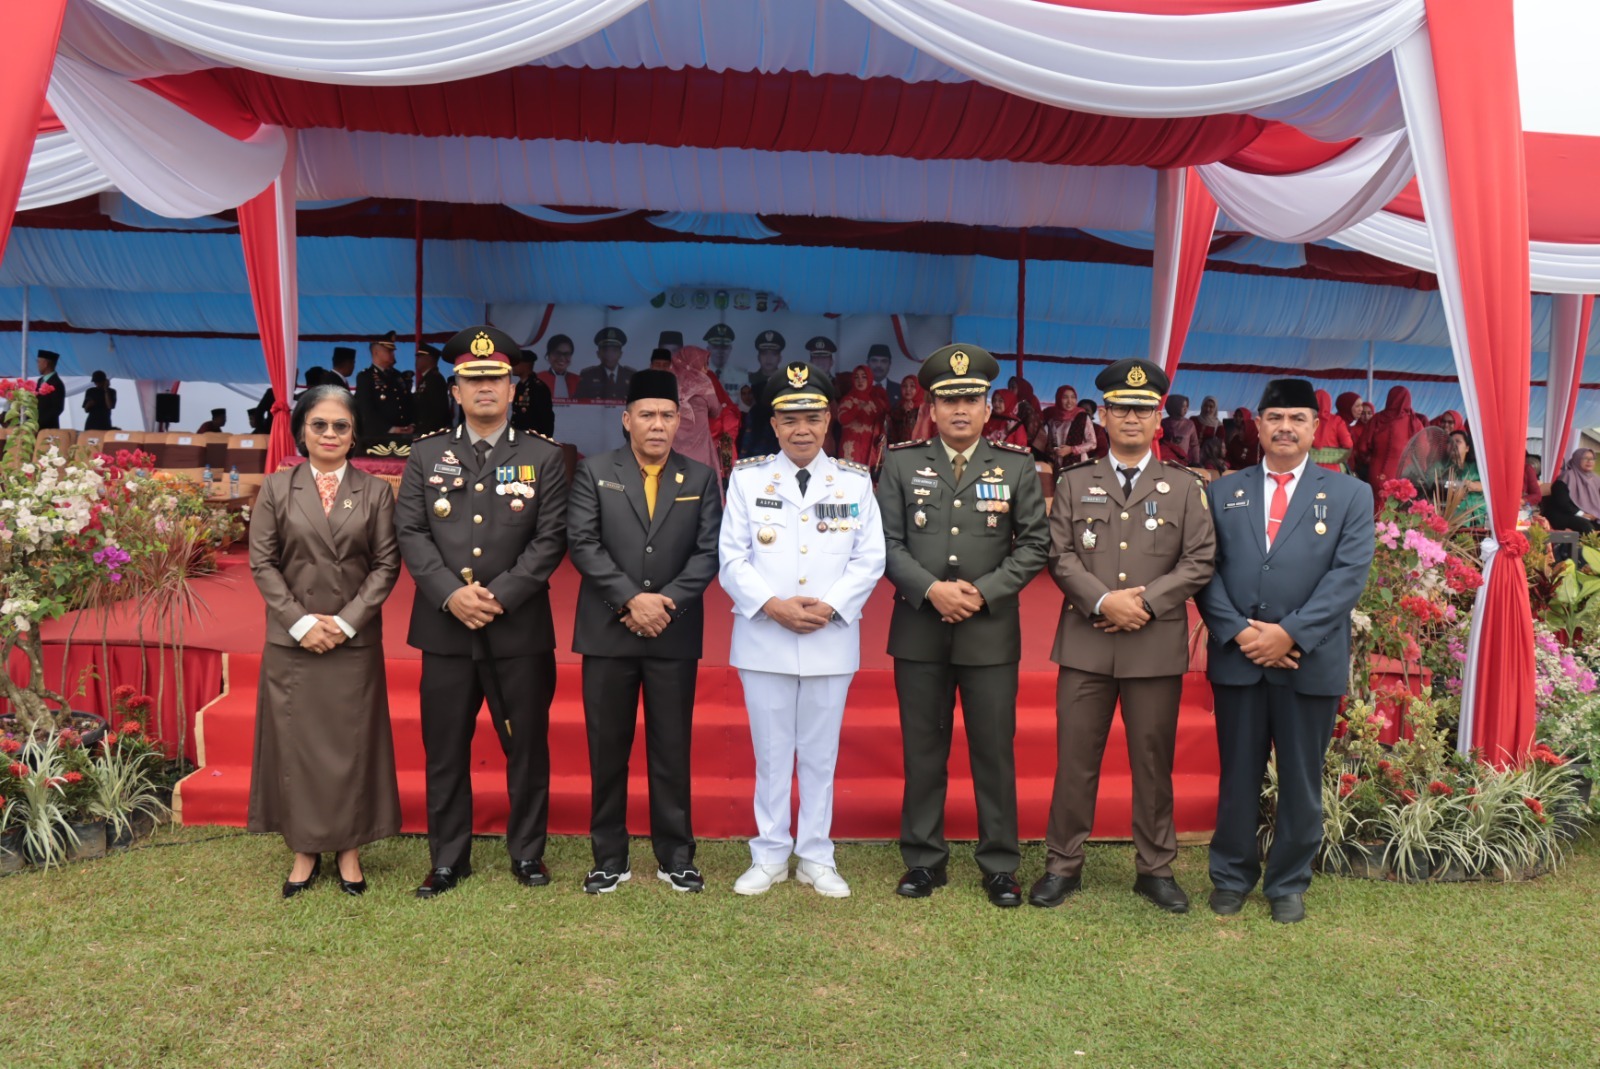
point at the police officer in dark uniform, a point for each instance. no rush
(964, 522)
(821, 352)
(383, 403)
(54, 401)
(482, 523)
(607, 380)
(532, 408)
(432, 394)
(719, 346)
(759, 437)
(1131, 540)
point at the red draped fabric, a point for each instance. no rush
(1196, 225)
(782, 111)
(267, 231)
(1476, 73)
(1569, 365)
(31, 32)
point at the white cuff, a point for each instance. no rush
(1100, 602)
(302, 626)
(349, 632)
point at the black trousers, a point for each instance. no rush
(519, 691)
(611, 688)
(1250, 722)
(927, 694)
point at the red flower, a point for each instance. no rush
(1545, 755)
(109, 740)
(1535, 805)
(1345, 790)
(1440, 789)
(1409, 796)
(1383, 766)
(2, 801)
(141, 704)
(74, 777)
(19, 770)
(1472, 790)
(131, 727)
(123, 693)
(70, 738)
(1420, 507)
(1349, 778)
(1341, 728)
(9, 745)
(1515, 545)
(1437, 524)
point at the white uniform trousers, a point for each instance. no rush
(794, 719)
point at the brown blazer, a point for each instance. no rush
(1172, 562)
(342, 564)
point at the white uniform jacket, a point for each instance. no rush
(771, 547)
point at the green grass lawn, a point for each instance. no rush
(186, 955)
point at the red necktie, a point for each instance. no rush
(1280, 503)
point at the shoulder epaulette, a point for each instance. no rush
(1013, 447)
(1079, 464)
(852, 465)
(911, 442)
(546, 437)
(744, 462)
(430, 434)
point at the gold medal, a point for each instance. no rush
(441, 507)
(766, 536)
(1321, 528)
(920, 518)
(516, 504)
(1089, 538)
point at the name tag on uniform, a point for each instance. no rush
(1236, 504)
(604, 485)
(918, 481)
(447, 469)
(1091, 499)
(769, 503)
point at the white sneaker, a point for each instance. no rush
(827, 882)
(758, 879)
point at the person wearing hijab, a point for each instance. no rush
(1089, 433)
(1345, 406)
(1180, 443)
(1449, 422)
(904, 416)
(1004, 426)
(1050, 441)
(1331, 445)
(1207, 424)
(1244, 448)
(1573, 503)
(1388, 435)
(1360, 428)
(1029, 410)
(699, 408)
(863, 417)
(1461, 473)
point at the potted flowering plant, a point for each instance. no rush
(1567, 696)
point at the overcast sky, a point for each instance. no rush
(1556, 69)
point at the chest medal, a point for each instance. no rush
(441, 505)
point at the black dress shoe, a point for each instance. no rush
(294, 887)
(1163, 891)
(920, 882)
(1051, 890)
(1226, 903)
(1004, 890)
(1289, 909)
(531, 873)
(441, 880)
(353, 887)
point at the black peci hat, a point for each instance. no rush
(1288, 393)
(653, 384)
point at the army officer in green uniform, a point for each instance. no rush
(965, 528)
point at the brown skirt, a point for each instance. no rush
(323, 773)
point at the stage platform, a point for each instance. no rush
(869, 770)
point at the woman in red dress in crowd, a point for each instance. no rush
(1332, 445)
(1243, 446)
(903, 419)
(1387, 437)
(1004, 424)
(863, 419)
(1180, 442)
(1208, 424)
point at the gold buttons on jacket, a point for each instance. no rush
(958, 502)
(1122, 577)
(805, 549)
(955, 530)
(1124, 515)
(1122, 545)
(477, 519)
(478, 487)
(802, 580)
(477, 551)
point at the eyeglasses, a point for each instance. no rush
(341, 427)
(1124, 411)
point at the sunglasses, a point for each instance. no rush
(341, 427)
(1124, 411)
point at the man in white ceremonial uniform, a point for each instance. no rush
(801, 550)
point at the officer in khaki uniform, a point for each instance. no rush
(964, 524)
(1131, 539)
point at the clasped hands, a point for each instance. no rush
(1122, 610)
(1268, 645)
(474, 606)
(647, 615)
(324, 635)
(801, 615)
(955, 600)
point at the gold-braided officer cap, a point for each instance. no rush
(798, 387)
(959, 370)
(1133, 382)
(481, 352)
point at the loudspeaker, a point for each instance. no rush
(167, 409)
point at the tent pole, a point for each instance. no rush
(1371, 346)
(418, 338)
(1022, 294)
(24, 364)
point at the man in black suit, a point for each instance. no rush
(383, 403)
(642, 527)
(482, 523)
(1294, 546)
(607, 380)
(431, 399)
(343, 368)
(532, 408)
(52, 402)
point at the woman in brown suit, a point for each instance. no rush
(323, 551)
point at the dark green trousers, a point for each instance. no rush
(927, 694)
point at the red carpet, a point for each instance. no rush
(869, 772)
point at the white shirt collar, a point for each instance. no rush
(1298, 472)
(337, 473)
(1144, 463)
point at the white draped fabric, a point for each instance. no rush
(1318, 202)
(59, 171)
(1557, 268)
(1562, 378)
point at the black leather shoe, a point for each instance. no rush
(294, 887)
(920, 882)
(1004, 890)
(531, 873)
(1226, 903)
(1051, 890)
(1289, 909)
(1163, 891)
(353, 887)
(441, 880)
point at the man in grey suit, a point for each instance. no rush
(642, 525)
(1294, 545)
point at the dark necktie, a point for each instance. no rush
(1128, 475)
(959, 464)
(803, 477)
(482, 447)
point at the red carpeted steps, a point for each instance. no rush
(867, 802)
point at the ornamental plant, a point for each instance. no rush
(1567, 697)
